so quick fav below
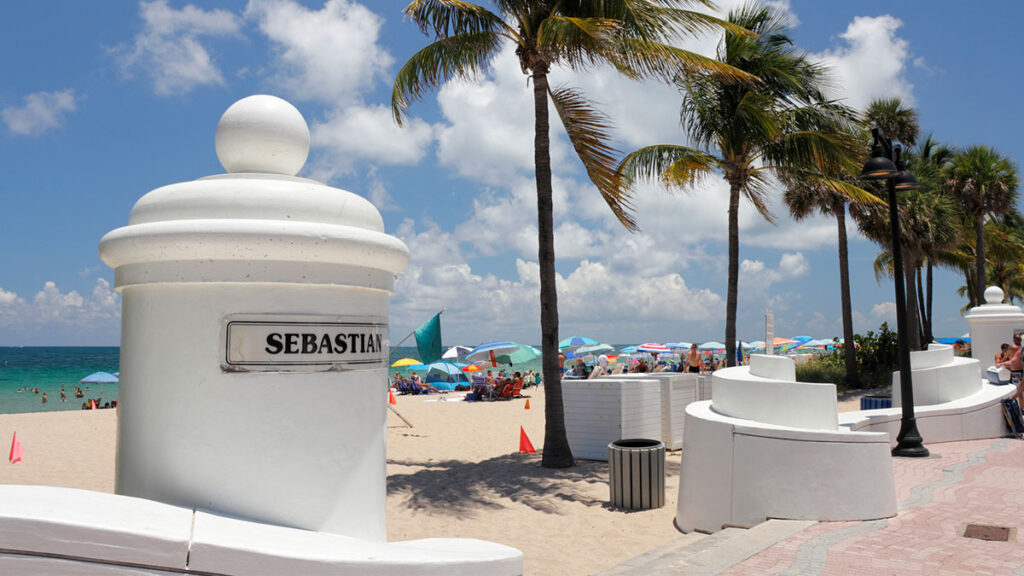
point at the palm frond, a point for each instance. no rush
(638, 58)
(462, 56)
(447, 18)
(576, 41)
(588, 132)
(675, 166)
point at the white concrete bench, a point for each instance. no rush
(47, 530)
(952, 402)
(766, 446)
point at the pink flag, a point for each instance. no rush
(16, 450)
(92, 404)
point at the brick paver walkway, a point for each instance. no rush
(975, 482)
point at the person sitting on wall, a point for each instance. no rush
(959, 348)
(1015, 363)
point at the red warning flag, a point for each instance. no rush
(524, 442)
(16, 450)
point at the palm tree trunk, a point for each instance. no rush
(557, 453)
(921, 312)
(734, 269)
(913, 324)
(929, 336)
(849, 353)
(979, 254)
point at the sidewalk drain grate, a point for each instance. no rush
(986, 532)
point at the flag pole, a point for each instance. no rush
(390, 407)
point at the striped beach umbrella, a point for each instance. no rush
(654, 348)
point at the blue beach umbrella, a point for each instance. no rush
(99, 378)
(593, 349)
(576, 342)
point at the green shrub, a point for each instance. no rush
(877, 359)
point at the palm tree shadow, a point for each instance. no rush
(463, 488)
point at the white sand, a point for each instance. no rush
(456, 473)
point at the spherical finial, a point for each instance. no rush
(993, 295)
(262, 134)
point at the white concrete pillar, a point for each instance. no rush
(254, 337)
(992, 324)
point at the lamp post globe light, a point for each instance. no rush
(885, 164)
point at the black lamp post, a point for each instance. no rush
(885, 164)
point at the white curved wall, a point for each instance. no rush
(739, 473)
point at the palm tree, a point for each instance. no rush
(633, 36)
(898, 122)
(927, 220)
(927, 162)
(806, 194)
(750, 132)
(984, 183)
(1005, 262)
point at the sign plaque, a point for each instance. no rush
(303, 343)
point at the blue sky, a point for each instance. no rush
(103, 102)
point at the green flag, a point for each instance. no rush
(428, 340)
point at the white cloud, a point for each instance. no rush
(53, 315)
(754, 274)
(40, 111)
(884, 311)
(169, 49)
(592, 295)
(871, 65)
(329, 55)
(367, 133)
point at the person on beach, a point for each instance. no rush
(959, 348)
(44, 397)
(561, 363)
(1015, 363)
(693, 360)
(63, 396)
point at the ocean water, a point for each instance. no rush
(47, 368)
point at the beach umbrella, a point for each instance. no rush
(405, 362)
(472, 368)
(503, 352)
(455, 352)
(653, 348)
(593, 349)
(679, 345)
(797, 341)
(711, 347)
(574, 342)
(99, 378)
(417, 366)
(628, 350)
(777, 342)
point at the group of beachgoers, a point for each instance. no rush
(692, 362)
(1011, 357)
(79, 393)
(487, 386)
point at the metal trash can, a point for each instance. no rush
(636, 473)
(875, 402)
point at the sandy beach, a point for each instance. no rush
(456, 472)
